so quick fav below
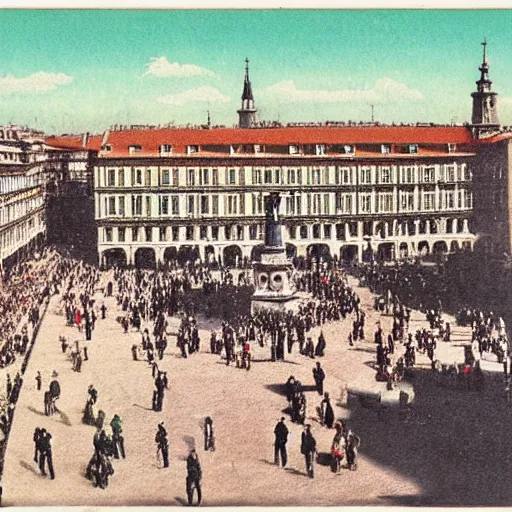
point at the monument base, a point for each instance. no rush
(273, 303)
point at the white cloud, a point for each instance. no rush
(202, 94)
(162, 68)
(385, 90)
(33, 84)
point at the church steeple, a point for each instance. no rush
(247, 112)
(485, 114)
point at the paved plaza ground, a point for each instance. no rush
(451, 448)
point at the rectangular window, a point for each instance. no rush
(138, 177)
(112, 205)
(317, 176)
(366, 203)
(256, 176)
(166, 148)
(190, 205)
(148, 178)
(215, 233)
(268, 176)
(164, 209)
(449, 173)
(203, 232)
(231, 177)
(108, 234)
(385, 202)
(407, 174)
(215, 205)
(294, 149)
(327, 231)
(468, 199)
(429, 174)
(428, 200)
(413, 148)
(121, 234)
(277, 176)
(215, 177)
(205, 177)
(227, 232)
(452, 148)
(148, 206)
(175, 177)
(406, 201)
(166, 177)
(449, 199)
(258, 148)
(327, 204)
(175, 233)
(320, 149)
(121, 205)
(162, 236)
(192, 149)
(291, 177)
(232, 205)
(189, 233)
(120, 177)
(385, 175)
(111, 178)
(253, 231)
(366, 176)
(204, 205)
(135, 148)
(175, 205)
(385, 149)
(191, 177)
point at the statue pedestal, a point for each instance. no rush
(272, 280)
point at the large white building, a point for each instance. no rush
(22, 219)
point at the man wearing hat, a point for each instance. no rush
(54, 391)
(281, 433)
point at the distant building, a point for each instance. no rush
(22, 218)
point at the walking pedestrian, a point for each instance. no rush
(281, 432)
(162, 444)
(194, 476)
(319, 376)
(308, 449)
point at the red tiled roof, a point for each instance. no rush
(151, 139)
(74, 142)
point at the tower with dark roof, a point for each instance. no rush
(247, 113)
(485, 114)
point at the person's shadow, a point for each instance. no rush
(29, 467)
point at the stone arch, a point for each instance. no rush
(454, 246)
(115, 257)
(423, 248)
(170, 254)
(440, 247)
(188, 253)
(386, 251)
(320, 253)
(232, 255)
(145, 257)
(348, 253)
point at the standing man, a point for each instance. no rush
(319, 376)
(37, 442)
(117, 438)
(46, 453)
(194, 476)
(308, 449)
(281, 433)
(162, 444)
(103, 311)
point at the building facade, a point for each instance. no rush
(22, 208)
(397, 190)
(353, 192)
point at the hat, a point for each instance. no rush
(55, 374)
(282, 418)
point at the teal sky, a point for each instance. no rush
(72, 71)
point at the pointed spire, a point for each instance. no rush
(247, 92)
(484, 44)
(209, 121)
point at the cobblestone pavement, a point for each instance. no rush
(425, 456)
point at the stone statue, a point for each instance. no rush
(273, 234)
